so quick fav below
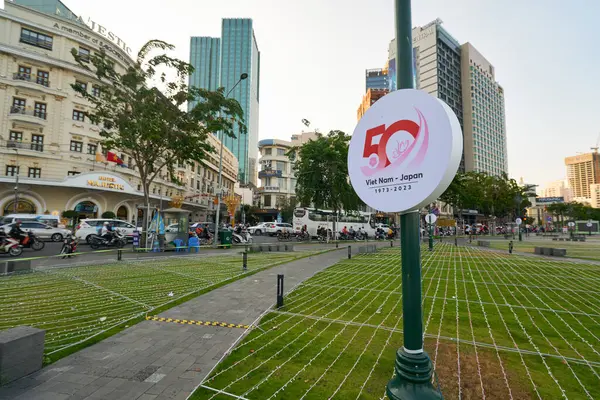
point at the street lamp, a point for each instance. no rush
(16, 205)
(518, 200)
(220, 188)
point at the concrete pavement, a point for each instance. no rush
(158, 360)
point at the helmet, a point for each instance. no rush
(105, 222)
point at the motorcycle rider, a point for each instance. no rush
(345, 232)
(3, 237)
(16, 232)
(106, 232)
(352, 232)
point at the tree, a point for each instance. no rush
(108, 214)
(148, 123)
(322, 173)
(286, 208)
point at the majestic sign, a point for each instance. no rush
(106, 182)
(545, 200)
(405, 151)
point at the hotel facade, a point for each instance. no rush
(48, 146)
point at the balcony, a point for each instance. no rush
(37, 117)
(19, 76)
(17, 144)
(268, 189)
(268, 173)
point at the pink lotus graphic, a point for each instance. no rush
(403, 142)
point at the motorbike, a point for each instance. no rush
(379, 235)
(302, 235)
(32, 242)
(284, 236)
(118, 240)
(69, 247)
(205, 240)
(242, 237)
(11, 247)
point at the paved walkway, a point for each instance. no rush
(158, 360)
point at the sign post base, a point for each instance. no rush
(413, 378)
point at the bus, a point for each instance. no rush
(314, 218)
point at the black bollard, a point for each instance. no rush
(455, 241)
(245, 261)
(349, 252)
(391, 243)
(337, 245)
(119, 254)
(510, 247)
(279, 290)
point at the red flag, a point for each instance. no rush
(112, 157)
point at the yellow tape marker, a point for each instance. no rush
(194, 322)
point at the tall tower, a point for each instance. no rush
(219, 62)
(239, 54)
(205, 56)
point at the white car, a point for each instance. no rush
(40, 230)
(259, 229)
(88, 227)
(172, 228)
(274, 228)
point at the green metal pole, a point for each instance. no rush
(413, 369)
(520, 236)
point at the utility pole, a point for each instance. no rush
(413, 366)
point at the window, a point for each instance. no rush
(267, 201)
(18, 105)
(36, 39)
(37, 142)
(84, 54)
(76, 146)
(15, 136)
(92, 149)
(78, 116)
(267, 151)
(82, 84)
(73, 173)
(43, 78)
(40, 110)
(24, 73)
(95, 90)
(12, 170)
(35, 173)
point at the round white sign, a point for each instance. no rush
(405, 151)
(518, 221)
(571, 224)
(430, 219)
(589, 224)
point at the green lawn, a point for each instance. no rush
(497, 326)
(74, 304)
(585, 250)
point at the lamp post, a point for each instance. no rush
(220, 188)
(518, 200)
(413, 367)
(16, 205)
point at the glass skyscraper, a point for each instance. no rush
(235, 53)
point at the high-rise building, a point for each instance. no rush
(205, 56)
(237, 54)
(376, 79)
(484, 126)
(559, 188)
(442, 68)
(583, 170)
(369, 99)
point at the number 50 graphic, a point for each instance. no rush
(377, 152)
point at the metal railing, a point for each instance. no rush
(40, 80)
(22, 110)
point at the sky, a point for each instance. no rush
(314, 54)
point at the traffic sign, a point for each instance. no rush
(571, 224)
(589, 224)
(519, 221)
(430, 219)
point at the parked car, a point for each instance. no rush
(259, 229)
(172, 228)
(88, 227)
(52, 220)
(40, 230)
(275, 228)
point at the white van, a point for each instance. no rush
(52, 220)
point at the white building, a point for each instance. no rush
(559, 188)
(48, 141)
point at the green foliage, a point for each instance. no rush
(573, 210)
(490, 195)
(150, 123)
(70, 214)
(286, 207)
(108, 214)
(322, 173)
